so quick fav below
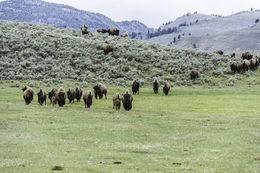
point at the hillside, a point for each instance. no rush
(207, 27)
(232, 40)
(38, 11)
(36, 51)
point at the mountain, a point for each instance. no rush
(200, 30)
(38, 11)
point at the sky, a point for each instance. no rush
(155, 12)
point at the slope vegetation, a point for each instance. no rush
(34, 51)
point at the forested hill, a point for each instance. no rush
(44, 52)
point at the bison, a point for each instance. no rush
(51, 94)
(113, 31)
(135, 86)
(127, 100)
(27, 94)
(61, 96)
(54, 100)
(236, 66)
(71, 95)
(41, 97)
(166, 88)
(233, 55)
(84, 29)
(194, 74)
(246, 65)
(106, 47)
(254, 63)
(156, 86)
(101, 30)
(220, 52)
(116, 101)
(99, 90)
(78, 94)
(124, 34)
(87, 97)
(247, 55)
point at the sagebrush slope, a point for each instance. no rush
(34, 51)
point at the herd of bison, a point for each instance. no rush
(59, 96)
(249, 62)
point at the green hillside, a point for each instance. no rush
(39, 52)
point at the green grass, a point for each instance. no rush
(194, 129)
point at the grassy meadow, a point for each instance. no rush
(193, 129)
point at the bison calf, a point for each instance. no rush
(116, 101)
(87, 97)
(27, 94)
(52, 93)
(41, 97)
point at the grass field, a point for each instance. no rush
(194, 129)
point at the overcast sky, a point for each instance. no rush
(155, 12)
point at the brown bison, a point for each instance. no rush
(78, 94)
(124, 34)
(87, 97)
(41, 97)
(113, 31)
(236, 67)
(116, 101)
(246, 65)
(106, 47)
(61, 96)
(247, 55)
(127, 100)
(194, 74)
(52, 93)
(254, 62)
(220, 52)
(135, 86)
(101, 30)
(71, 95)
(27, 94)
(166, 88)
(84, 29)
(233, 54)
(99, 90)
(156, 86)
(54, 100)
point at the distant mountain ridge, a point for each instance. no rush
(199, 31)
(38, 11)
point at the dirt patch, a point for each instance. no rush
(140, 152)
(57, 168)
(117, 163)
(176, 163)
